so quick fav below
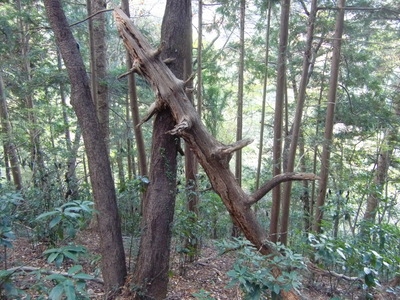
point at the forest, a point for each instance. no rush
(205, 149)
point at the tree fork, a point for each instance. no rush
(211, 154)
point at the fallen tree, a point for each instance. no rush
(213, 156)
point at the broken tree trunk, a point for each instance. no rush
(213, 156)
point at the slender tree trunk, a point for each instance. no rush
(100, 63)
(37, 162)
(142, 159)
(330, 112)
(70, 176)
(9, 148)
(381, 172)
(280, 93)
(261, 147)
(239, 114)
(295, 132)
(111, 246)
(183, 44)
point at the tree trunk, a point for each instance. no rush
(100, 63)
(9, 148)
(261, 147)
(280, 93)
(295, 132)
(111, 246)
(211, 154)
(330, 112)
(151, 274)
(70, 176)
(37, 162)
(142, 161)
(381, 172)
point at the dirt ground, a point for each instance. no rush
(207, 274)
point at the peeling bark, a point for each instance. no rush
(213, 156)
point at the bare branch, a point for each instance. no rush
(48, 272)
(91, 16)
(236, 146)
(257, 195)
(153, 109)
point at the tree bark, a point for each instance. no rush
(111, 246)
(100, 67)
(295, 132)
(9, 147)
(211, 154)
(381, 172)
(142, 161)
(151, 273)
(280, 93)
(330, 113)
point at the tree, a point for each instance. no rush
(264, 96)
(211, 154)
(306, 73)
(278, 120)
(330, 112)
(381, 172)
(100, 66)
(134, 108)
(9, 147)
(151, 273)
(111, 246)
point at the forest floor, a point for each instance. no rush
(207, 275)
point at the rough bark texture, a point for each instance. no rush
(151, 273)
(211, 154)
(100, 66)
(134, 105)
(113, 256)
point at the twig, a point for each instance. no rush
(49, 272)
(91, 16)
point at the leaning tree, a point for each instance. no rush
(213, 156)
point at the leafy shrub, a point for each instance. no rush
(58, 255)
(254, 271)
(64, 221)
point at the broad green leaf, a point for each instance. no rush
(70, 255)
(52, 257)
(57, 292)
(47, 214)
(83, 276)
(74, 269)
(69, 289)
(55, 221)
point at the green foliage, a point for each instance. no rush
(7, 286)
(58, 255)
(64, 221)
(203, 295)
(9, 203)
(129, 201)
(73, 287)
(254, 272)
(360, 257)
